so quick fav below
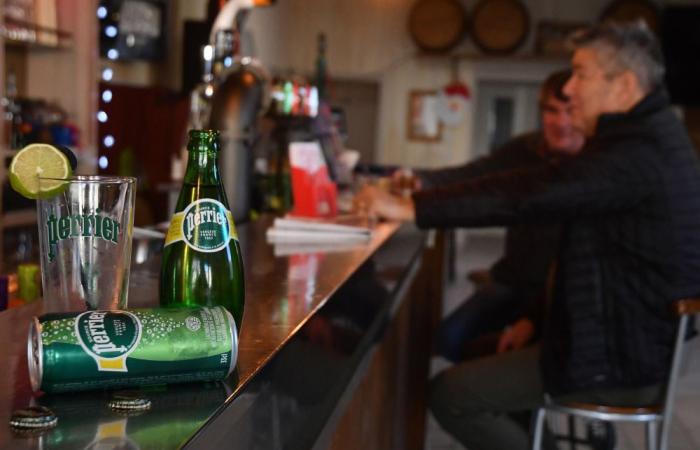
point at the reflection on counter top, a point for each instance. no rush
(309, 319)
(177, 412)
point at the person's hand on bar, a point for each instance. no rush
(376, 203)
(404, 182)
(516, 336)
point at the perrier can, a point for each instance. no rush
(202, 262)
(112, 349)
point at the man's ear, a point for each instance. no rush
(630, 90)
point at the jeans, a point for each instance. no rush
(490, 309)
(474, 400)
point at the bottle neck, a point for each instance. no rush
(202, 166)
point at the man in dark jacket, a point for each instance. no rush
(516, 282)
(630, 246)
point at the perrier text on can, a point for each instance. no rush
(202, 263)
(111, 349)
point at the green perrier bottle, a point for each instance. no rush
(202, 262)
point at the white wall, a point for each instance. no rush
(365, 37)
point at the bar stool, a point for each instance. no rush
(656, 417)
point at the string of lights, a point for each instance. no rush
(110, 31)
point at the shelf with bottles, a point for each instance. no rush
(25, 121)
(19, 218)
(29, 120)
(20, 248)
(294, 96)
(17, 211)
(298, 95)
(29, 35)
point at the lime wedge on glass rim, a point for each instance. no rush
(39, 160)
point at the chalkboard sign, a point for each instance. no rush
(133, 29)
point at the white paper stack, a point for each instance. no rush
(300, 248)
(309, 231)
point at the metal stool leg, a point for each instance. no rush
(664, 431)
(538, 429)
(572, 431)
(652, 435)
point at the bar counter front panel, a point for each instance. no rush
(317, 328)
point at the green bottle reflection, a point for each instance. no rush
(202, 262)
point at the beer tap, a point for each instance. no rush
(230, 99)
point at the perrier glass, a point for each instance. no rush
(202, 262)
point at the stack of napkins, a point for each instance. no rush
(310, 231)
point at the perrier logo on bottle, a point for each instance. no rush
(108, 337)
(205, 225)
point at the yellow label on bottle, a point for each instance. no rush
(231, 226)
(205, 225)
(175, 229)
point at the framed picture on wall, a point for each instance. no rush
(423, 123)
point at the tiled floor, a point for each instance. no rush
(479, 250)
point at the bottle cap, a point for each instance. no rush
(128, 401)
(33, 418)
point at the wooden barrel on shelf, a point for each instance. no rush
(437, 25)
(500, 26)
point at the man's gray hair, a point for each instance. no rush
(629, 46)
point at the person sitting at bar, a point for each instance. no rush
(516, 282)
(630, 206)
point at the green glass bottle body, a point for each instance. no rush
(202, 263)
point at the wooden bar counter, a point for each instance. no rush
(334, 353)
